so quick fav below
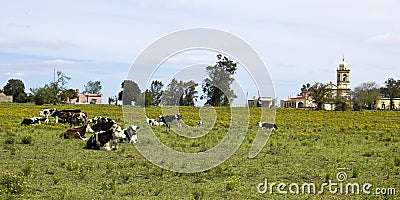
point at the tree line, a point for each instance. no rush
(216, 89)
(54, 92)
(363, 97)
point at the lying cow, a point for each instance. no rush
(78, 118)
(104, 140)
(100, 119)
(103, 126)
(200, 124)
(266, 125)
(153, 122)
(78, 132)
(169, 119)
(130, 133)
(34, 120)
(66, 116)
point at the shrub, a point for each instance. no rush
(397, 162)
(355, 173)
(11, 184)
(27, 139)
(9, 140)
(198, 194)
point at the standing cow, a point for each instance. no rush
(169, 119)
(105, 140)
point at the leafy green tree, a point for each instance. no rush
(304, 89)
(172, 94)
(16, 88)
(68, 95)
(216, 87)
(92, 87)
(156, 91)
(365, 96)
(342, 103)
(45, 95)
(321, 94)
(60, 84)
(111, 100)
(145, 99)
(391, 90)
(189, 96)
(129, 93)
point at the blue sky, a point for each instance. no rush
(300, 41)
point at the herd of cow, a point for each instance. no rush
(106, 133)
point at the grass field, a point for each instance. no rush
(308, 147)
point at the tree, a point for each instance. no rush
(391, 90)
(365, 96)
(129, 93)
(172, 94)
(145, 99)
(44, 95)
(68, 95)
(189, 96)
(61, 81)
(92, 87)
(321, 94)
(156, 91)
(16, 88)
(111, 100)
(216, 87)
(304, 89)
(341, 103)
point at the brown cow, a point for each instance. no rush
(78, 132)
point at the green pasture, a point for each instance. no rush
(309, 147)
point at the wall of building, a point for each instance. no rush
(5, 98)
(384, 104)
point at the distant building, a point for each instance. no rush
(299, 102)
(86, 98)
(384, 104)
(261, 102)
(5, 98)
(340, 89)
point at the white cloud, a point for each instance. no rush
(385, 39)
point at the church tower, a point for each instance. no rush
(343, 79)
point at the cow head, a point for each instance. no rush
(131, 133)
(260, 124)
(118, 133)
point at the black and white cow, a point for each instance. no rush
(47, 112)
(78, 118)
(131, 135)
(103, 126)
(100, 119)
(33, 120)
(169, 119)
(266, 125)
(153, 122)
(105, 140)
(200, 124)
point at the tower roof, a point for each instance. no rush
(343, 65)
